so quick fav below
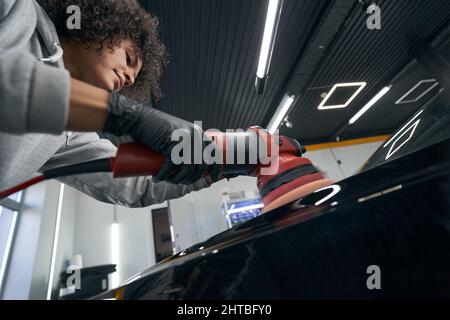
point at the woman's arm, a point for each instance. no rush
(34, 97)
(88, 107)
(37, 98)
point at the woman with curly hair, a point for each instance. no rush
(94, 80)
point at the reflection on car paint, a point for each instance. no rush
(412, 128)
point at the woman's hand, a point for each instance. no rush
(154, 129)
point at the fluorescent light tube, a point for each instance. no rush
(268, 38)
(369, 105)
(280, 114)
(55, 242)
(115, 253)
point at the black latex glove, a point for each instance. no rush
(154, 128)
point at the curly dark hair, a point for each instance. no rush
(109, 22)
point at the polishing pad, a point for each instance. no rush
(296, 177)
(295, 194)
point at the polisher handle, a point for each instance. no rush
(133, 160)
(136, 160)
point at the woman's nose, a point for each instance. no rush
(129, 79)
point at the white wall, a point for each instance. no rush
(186, 227)
(354, 157)
(136, 249)
(325, 161)
(92, 231)
(92, 236)
(343, 162)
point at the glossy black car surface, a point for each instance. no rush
(394, 215)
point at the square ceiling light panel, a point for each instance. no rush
(326, 105)
(418, 91)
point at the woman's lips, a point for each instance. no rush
(119, 83)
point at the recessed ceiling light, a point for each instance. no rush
(360, 86)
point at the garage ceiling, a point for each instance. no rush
(214, 50)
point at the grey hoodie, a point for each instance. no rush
(34, 97)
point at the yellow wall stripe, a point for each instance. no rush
(346, 143)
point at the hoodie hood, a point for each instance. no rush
(29, 12)
(49, 37)
(17, 13)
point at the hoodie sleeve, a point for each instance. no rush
(34, 96)
(129, 192)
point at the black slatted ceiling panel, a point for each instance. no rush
(387, 115)
(214, 50)
(374, 56)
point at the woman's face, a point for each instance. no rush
(110, 71)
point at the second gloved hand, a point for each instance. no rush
(154, 128)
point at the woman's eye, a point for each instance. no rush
(128, 59)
